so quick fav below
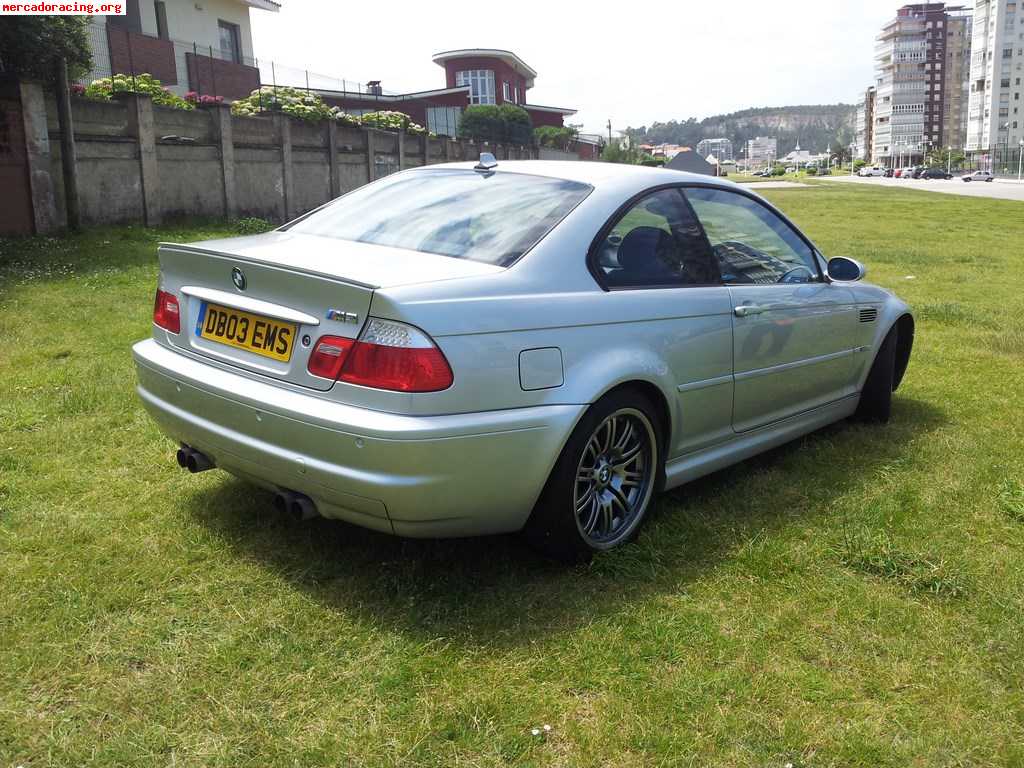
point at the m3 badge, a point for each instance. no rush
(341, 316)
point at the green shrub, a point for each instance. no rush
(104, 89)
(507, 124)
(252, 226)
(557, 138)
(812, 171)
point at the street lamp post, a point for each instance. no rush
(949, 161)
(853, 148)
(1020, 158)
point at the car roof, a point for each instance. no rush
(595, 173)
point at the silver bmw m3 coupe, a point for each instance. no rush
(479, 348)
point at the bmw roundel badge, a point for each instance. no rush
(238, 278)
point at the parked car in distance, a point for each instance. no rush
(935, 173)
(889, 173)
(978, 176)
(871, 170)
(434, 354)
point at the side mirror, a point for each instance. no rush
(844, 270)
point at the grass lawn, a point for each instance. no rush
(853, 599)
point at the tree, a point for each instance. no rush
(559, 138)
(940, 158)
(31, 46)
(627, 154)
(506, 123)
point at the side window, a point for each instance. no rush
(751, 243)
(656, 243)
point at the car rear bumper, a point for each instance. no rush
(453, 475)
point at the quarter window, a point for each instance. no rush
(656, 243)
(751, 244)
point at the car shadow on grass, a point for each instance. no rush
(497, 591)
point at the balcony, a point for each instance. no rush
(133, 52)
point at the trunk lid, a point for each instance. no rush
(260, 303)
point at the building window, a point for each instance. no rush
(230, 41)
(131, 20)
(444, 121)
(481, 85)
(506, 92)
(161, 19)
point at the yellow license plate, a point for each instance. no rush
(253, 333)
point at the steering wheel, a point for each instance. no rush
(794, 279)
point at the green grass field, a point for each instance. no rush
(853, 599)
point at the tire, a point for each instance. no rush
(876, 398)
(591, 502)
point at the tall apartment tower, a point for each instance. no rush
(957, 76)
(865, 125)
(914, 78)
(995, 122)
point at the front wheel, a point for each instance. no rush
(601, 487)
(876, 398)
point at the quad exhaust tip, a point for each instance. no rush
(298, 505)
(193, 460)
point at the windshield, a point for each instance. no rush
(489, 217)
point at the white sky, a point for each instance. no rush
(631, 62)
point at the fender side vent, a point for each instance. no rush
(868, 315)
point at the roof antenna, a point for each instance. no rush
(487, 162)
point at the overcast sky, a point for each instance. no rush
(633, 63)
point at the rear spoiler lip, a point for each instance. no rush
(181, 248)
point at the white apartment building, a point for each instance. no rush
(864, 126)
(761, 150)
(919, 81)
(720, 149)
(995, 121)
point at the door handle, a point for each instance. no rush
(746, 310)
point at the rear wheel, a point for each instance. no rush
(601, 487)
(876, 397)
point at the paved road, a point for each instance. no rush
(1004, 190)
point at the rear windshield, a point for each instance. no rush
(490, 217)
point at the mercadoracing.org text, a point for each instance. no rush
(62, 9)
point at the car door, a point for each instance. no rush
(793, 330)
(659, 269)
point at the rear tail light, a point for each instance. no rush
(166, 313)
(329, 355)
(387, 355)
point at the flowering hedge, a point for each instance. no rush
(309, 106)
(205, 100)
(391, 121)
(104, 88)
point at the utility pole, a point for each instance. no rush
(609, 130)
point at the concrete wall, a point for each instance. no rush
(137, 162)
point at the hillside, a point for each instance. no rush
(814, 126)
